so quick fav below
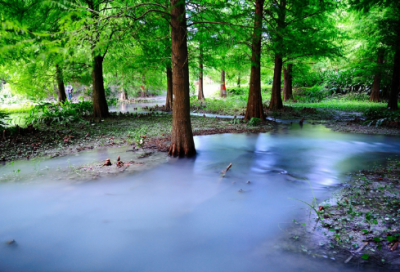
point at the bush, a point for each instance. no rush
(374, 114)
(254, 121)
(311, 95)
(3, 119)
(238, 90)
(59, 113)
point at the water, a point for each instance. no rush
(182, 215)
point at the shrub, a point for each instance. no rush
(254, 121)
(49, 113)
(3, 119)
(312, 95)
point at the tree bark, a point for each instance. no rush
(201, 90)
(394, 92)
(223, 87)
(182, 143)
(288, 82)
(168, 103)
(374, 97)
(61, 97)
(100, 107)
(276, 99)
(254, 103)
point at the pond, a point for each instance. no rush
(183, 215)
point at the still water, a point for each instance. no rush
(182, 215)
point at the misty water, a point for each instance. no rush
(182, 215)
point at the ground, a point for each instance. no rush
(359, 225)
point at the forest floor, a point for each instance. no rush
(358, 226)
(137, 131)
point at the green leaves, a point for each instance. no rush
(365, 256)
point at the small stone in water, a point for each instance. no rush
(10, 242)
(240, 191)
(248, 182)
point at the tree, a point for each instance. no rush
(288, 82)
(254, 102)
(200, 95)
(168, 103)
(298, 29)
(182, 143)
(390, 29)
(374, 97)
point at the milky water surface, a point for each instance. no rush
(182, 215)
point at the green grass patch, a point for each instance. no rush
(341, 105)
(20, 108)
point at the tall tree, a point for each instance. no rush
(182, 143)
(254, 103)
(374, 97)
(287, 82)
(390, 29)
(298, 29)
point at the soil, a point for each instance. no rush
(358, 226)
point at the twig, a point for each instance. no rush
(227, 168)
(358, 250)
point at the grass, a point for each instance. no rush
(341, 105)
(17, 108)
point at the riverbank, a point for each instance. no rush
(147, 131)
(359, 225)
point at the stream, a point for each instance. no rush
(183, 215)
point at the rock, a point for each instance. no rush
(107, 163)
(248, 182)
(10, 242)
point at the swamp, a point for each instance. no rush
(255, 135)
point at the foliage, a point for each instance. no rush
(341, 105)
(3, 119)
(254, 121)
(139, 135)
(380, 117)
(310, 95)
(59, 113)
(238, 90)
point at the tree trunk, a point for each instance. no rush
(100, 107)
(143, 87)
(201, 90)
(61, 97)
(168, 103)
(376, 86)
(124, 95)
(288, 82)
(238, 80)
(223, 87)
(394, 92)
(182, 143)
(254, 103)
(276, 100)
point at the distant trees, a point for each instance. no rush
(298, 29)
(389, 33)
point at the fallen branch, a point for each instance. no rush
(227, 168)
(358, 250)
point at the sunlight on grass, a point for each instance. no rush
(17, 108)
(342, 105)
